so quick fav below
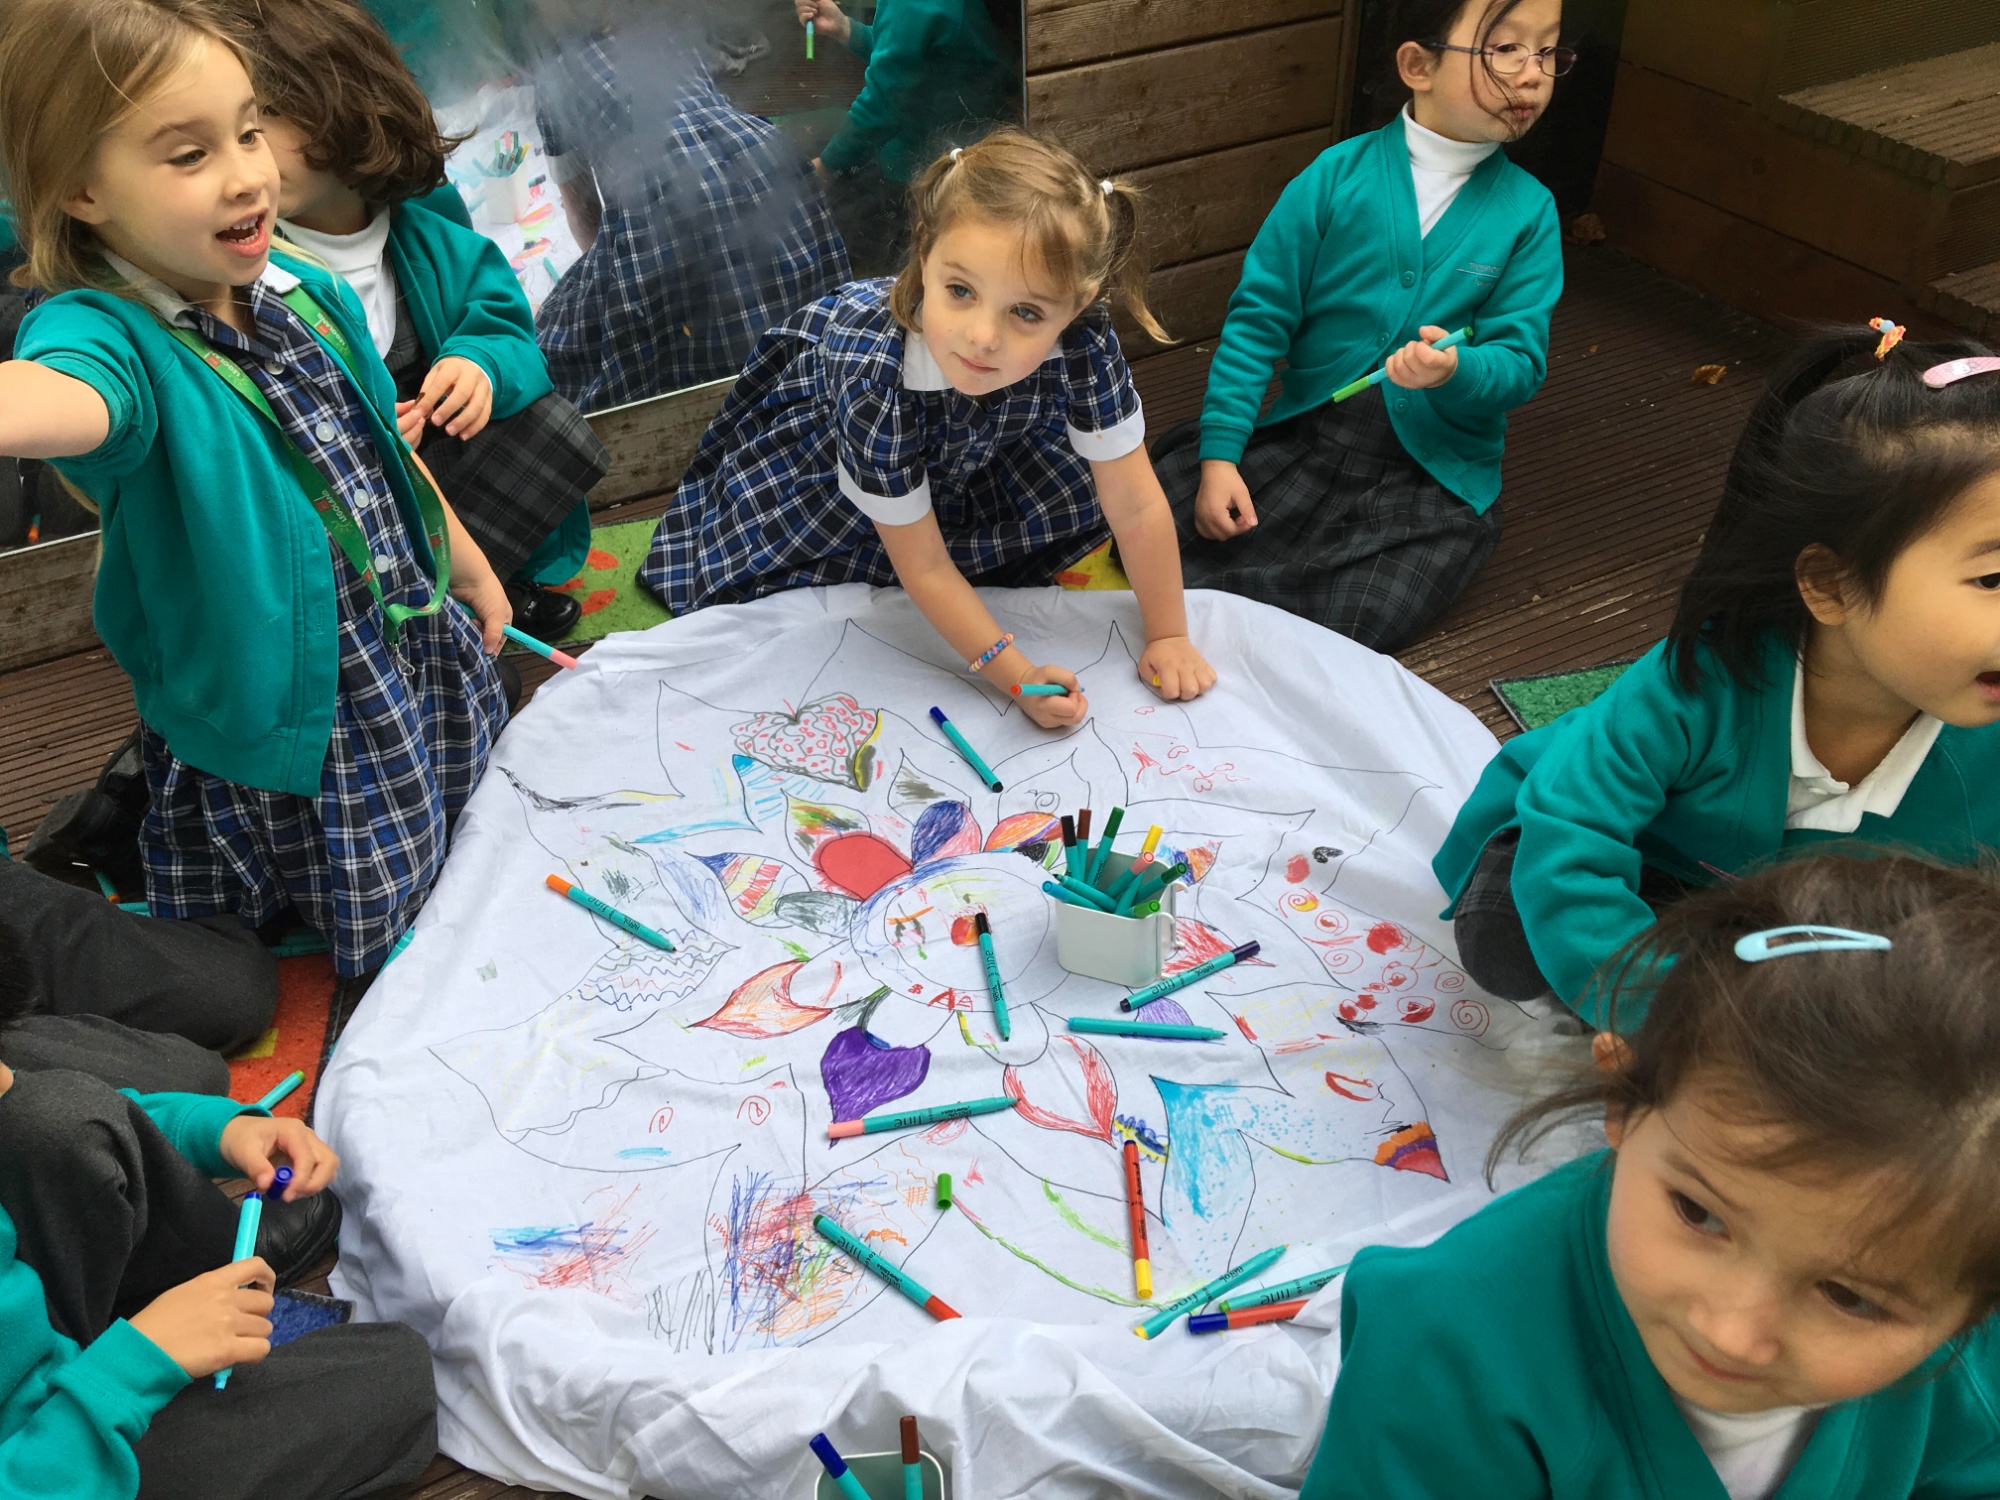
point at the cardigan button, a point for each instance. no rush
(1409, 278)
(324, 432)
(1402, 403)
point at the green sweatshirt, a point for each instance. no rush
(465, 300)
(1499, 1363)
(933, 67)
(1341, 276)
(1694, 783)
(198, 563)
(69, 1416)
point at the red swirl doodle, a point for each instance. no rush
(756, 1109)
(1470, 1016)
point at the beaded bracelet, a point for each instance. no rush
(991, 651)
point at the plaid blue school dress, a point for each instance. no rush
(713, 228)
(843, 419)
(412, 728)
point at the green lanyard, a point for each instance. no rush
(334, 512)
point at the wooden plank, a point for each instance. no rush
(45, 595)
(1062, 33)
(1135, 111)
(1741, 263)
(1204, 205)
(1190, 299)
(651, 441)
(1938, 119)
(1726, 154)
(1825, 40)
(1723, 45)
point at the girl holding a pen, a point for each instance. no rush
(1370, 512)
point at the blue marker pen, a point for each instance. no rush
(836, 1466)
(249, 1216)
(985, 930)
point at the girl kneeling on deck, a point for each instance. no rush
(970, 419)
(1371, 514)
(1833, 670)
(275, 563)
(1781, 1278)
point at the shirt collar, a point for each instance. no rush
(921, 371)
(1881, 790)
(171, 305)
(1432, 152)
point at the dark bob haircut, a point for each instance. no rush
(329, 68)
(1856, 1061)
(1845, 452)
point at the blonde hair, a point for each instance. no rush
(71, 70)
(1081, 232)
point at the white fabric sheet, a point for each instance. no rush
(586, 1170)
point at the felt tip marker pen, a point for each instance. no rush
(1246, 1317)
(836, 1466)
(1135, 1206)
(279, 1094)
(1284, 1291)
(1001, 1021)
(913, 1460)
(1040, 690)
(1154, 882)
(248, 1217)
(540, 648)
(1162, 1320)
(1355, 388)
(919, 1119)
(1069, 844)
(851, 1246)
(1198, 973)
(1162, 1030)
(1104, 845)
(610, 913)
(1085, 892)
(965, 750)
(1049, 887)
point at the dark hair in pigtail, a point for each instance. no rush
(1845, 461)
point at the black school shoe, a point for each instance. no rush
(295, 1237)
(545, 614)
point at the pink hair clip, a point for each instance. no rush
(1937, 377)
(1892, 335)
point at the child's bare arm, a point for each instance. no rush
(932, 580)
(473, 581)
(1136, 507)
(46, 414)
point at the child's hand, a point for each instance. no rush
(828, 19)
(1172, 668)
(1417, 366)
(480, 590)
(219, 1319)
(252, 1144)
(1222, 507)
(410, 419)
(1055, 712)
(456, 396)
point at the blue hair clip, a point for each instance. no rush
(1759, 946)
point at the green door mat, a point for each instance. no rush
(1546, 697)
(608, 587)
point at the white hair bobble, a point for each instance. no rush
(956, 152)
(1104, 186)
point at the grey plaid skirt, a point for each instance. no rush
(1352, 533)
(513, 484)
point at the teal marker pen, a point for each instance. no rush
(1256, 1265)
(610, 914)
(248, 1217)
(1000, 1018)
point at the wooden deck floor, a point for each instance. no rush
(1610, 475)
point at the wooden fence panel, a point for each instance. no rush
(1063, 33)
(1160, 106)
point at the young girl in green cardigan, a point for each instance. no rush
(1779, 1280)
(306, 625)
(1371, 514)
(1833, 671)
(362, 188)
